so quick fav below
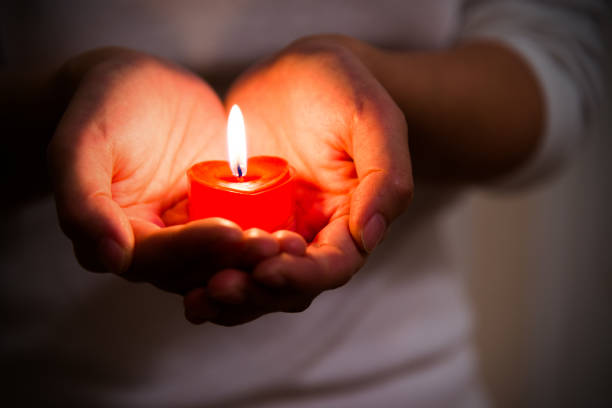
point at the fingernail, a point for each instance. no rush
(113, 256)
(373, 232)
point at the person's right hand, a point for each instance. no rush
(316, 104)
(118, 161)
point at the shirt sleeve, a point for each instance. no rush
(562, 41)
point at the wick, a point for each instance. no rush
(239, 172)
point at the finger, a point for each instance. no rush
(198, 307)
(177, 214)
(330, 261)
(258, 245)
(182, 257)
(235, 287)
(239, 299)
(267, 300)
(382, 161)
(81, 164)
(291, 242)
(229, 286)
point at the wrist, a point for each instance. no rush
(474, 111)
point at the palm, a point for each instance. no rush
(159, 130)
(131, 131)
(303, 113)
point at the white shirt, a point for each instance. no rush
(397, 335)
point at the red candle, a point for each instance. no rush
(257, 193)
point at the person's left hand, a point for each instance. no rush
(319, 107)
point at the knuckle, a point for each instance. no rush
(318, 43)
(318, 53)
(402, 187)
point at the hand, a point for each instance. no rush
(118, 160)
(319, 107)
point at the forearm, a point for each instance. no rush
(474, 112)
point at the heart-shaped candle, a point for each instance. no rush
(254, 193)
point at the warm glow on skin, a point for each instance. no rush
(335, 108)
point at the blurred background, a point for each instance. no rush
(540, 276)
(539, 262)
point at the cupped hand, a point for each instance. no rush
(318, 106)
(118, 160)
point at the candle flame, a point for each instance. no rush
(236, 142)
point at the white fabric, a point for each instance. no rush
(397, 335)
(562, 43)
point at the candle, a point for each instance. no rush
(257, 192)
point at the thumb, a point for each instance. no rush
(81, 165)
(382, 161)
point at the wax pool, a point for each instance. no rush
(263, 198)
